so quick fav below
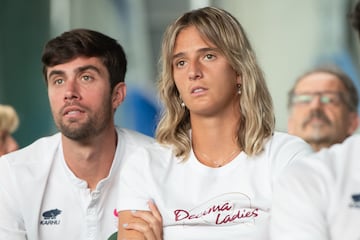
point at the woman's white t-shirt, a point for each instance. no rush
(200, 202)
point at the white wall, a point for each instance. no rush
(289, 37)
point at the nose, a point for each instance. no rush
(71, 91)
(315, 102)
(195, 70)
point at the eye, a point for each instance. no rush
(326, 99)
(330, 98)
(302, 99)
(58, 81)
(180, 64)
(86, 78)
(209, 56)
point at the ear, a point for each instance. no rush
(118, 94)
(353, 122)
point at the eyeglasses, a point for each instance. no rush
(326, 98)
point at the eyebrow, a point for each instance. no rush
(77, 70)
(318, 92)
(201, 50)
(55, 72)
(88, 67)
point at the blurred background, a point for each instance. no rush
(288, 36)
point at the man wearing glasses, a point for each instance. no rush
(323, 107)
(318, 198)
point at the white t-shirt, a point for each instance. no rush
(41, 199)
(199, 202)
(318, 198)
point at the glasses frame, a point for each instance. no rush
(339, 99)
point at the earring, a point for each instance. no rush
(239, 88)
(182, 104)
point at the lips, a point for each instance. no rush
(198, 90)
(72, 110)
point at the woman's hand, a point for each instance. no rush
(151, 225)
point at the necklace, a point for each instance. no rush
(218, 163)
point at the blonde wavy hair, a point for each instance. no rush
(222, 29)
(9, 119)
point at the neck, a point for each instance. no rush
(318, 146)
(214, 141)
(216, 162)
(91, 161)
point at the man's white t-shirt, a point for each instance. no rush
(42, 199)
(318, 198)
(199, 202)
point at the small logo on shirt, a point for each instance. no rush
(50, 217)
(116, 213)
(355, 200)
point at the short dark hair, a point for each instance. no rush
(87, 43)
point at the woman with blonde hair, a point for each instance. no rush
(9, 122)
(212, 171)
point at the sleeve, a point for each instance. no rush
(11, 222)
(286, 150)
(299, 204)
(135, 182)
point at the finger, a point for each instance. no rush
(147, 216)
(154, 210)
(144, 228)
(151, 217)
(158, 225)
(153, 223)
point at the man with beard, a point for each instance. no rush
(323, 107)
(65, 186)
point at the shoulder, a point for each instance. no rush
(29, 163)
(280, 138)
(161, 155)
(156, 152)
(282, 150)
(284, 145)
(153, 156)
(134, 138)
(325, 172)
(347, 149)
(35, 151)
(338, 161)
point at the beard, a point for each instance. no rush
(77, 131)
(92, 126)
(320, 133)
(318, 136)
